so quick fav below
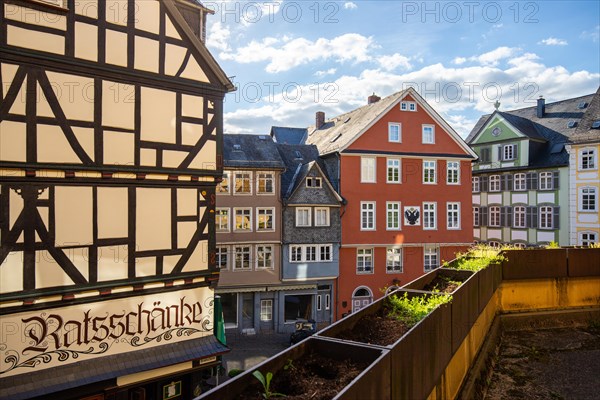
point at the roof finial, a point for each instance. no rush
(497, 105)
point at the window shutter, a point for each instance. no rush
(532, 181)
(532, 217)
(503, 182)
(515, 151)
(483, 183)
(555, 180)
(503, 216)
(500, 153)
(509, 182)
(556, 217)
(483, 216)
(509, 219)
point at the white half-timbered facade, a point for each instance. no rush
(110, 151)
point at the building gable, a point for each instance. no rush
(307, 192)
(497, 129)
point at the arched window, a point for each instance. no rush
(361, 298)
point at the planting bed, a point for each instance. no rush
(378, 328)
(443, 284)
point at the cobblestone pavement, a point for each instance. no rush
(249, 350)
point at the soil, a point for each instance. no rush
(442, 284)
(311, 377)
(557, 363)
(377, 328)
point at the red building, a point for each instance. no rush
(406, 177)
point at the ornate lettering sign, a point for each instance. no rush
(37, 340)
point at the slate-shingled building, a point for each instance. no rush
(521, 179)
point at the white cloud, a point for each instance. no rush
(218, 36)
(394, 61)
(330, 71)
(294, 52)
(350, 5)
(459, 60)
(492, 58)
(593, 34)
(551, 41)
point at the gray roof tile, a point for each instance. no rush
(251, 151)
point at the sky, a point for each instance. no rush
(290, 59)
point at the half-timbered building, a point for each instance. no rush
(110, 135)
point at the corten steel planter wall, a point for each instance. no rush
(489, 280)
(419, 357)
(534, 264)
(583, 262)
(372, 383)
(465, 299)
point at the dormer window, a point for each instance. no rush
(298, 155)
(572, 124)
(582, 105)
(408, 106)
(237, 147)
(314, 182)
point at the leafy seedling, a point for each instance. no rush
(266, 384)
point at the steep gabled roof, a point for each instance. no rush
(339, 132)
(585, 133)
(251, 151)
(287, 135)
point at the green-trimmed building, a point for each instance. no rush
(521, 178)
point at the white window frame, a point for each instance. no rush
(508, 152)
(519, 217)
(235, 179)
(391, 126)
(546, 217)
(235, 218)
(452, 214)
(296, 253)
(324, 210)
(236, 252)
(394, 263)
(266, 310)
(393, 208)
(364, 254)
(365, 212)
(429, 208)
(586, 238)
(408, 106)
(225, 180)
(319, 302)
(429, 165)
(394, 165)
(431, 258)
(591, 193)
(476, 216)
(219, 217)
(475, 184)
(426, 140)
(591, 155)
(220, 254)
(266, 249)
(299, 253)
(546, 181)
(368, 170)
(314, 182)
(308, 210)
(520, 182)
(495, 183)
(265, 176)
(494, 216)
(272, 212)
(327, 301)
(453, 171)
(329, 249)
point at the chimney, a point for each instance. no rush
(373, 99)
(319, 119)
(541, 107)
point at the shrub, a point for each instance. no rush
(411, 310)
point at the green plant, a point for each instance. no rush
(266, 384)
(234, 372)
(289, 365)
(552, 245)
(477, 258)
(411, 310)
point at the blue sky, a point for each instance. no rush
(290, 59)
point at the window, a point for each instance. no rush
(545, 181)
(486, 155)
(265, 219)
(394, 132)
(520, 182)
(394, 260)
(494, 216)
(242, 258)
(509, 152)
(367, 169)
(265, 184)
(475, 184)
(325, 253)
(242, 183)
(223, 186)
(364, 261)
(266, 310)
(319, 302)
(587, 159)
(546, 220)
(229, 301)
(393, 170)
(429, 171)
(297, 307)
(587, 238)
(453, 215)
(429, 217)
(587, 199)
(428, 134)
(314, 182)
(303, 216)
(519, 215)
(222, 220)
(367, 215)
(322, 216)
(393, 215)
(408, 106)
(327, 301)
(222, 257)
(430, 258)
(243, 219)
(311, 253)
(453, 172)
(495, 183)
(264, 257)
(476, 221)
(295, 253)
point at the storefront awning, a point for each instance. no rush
(291, 287)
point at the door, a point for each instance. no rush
(247, 311)
(361, 298)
